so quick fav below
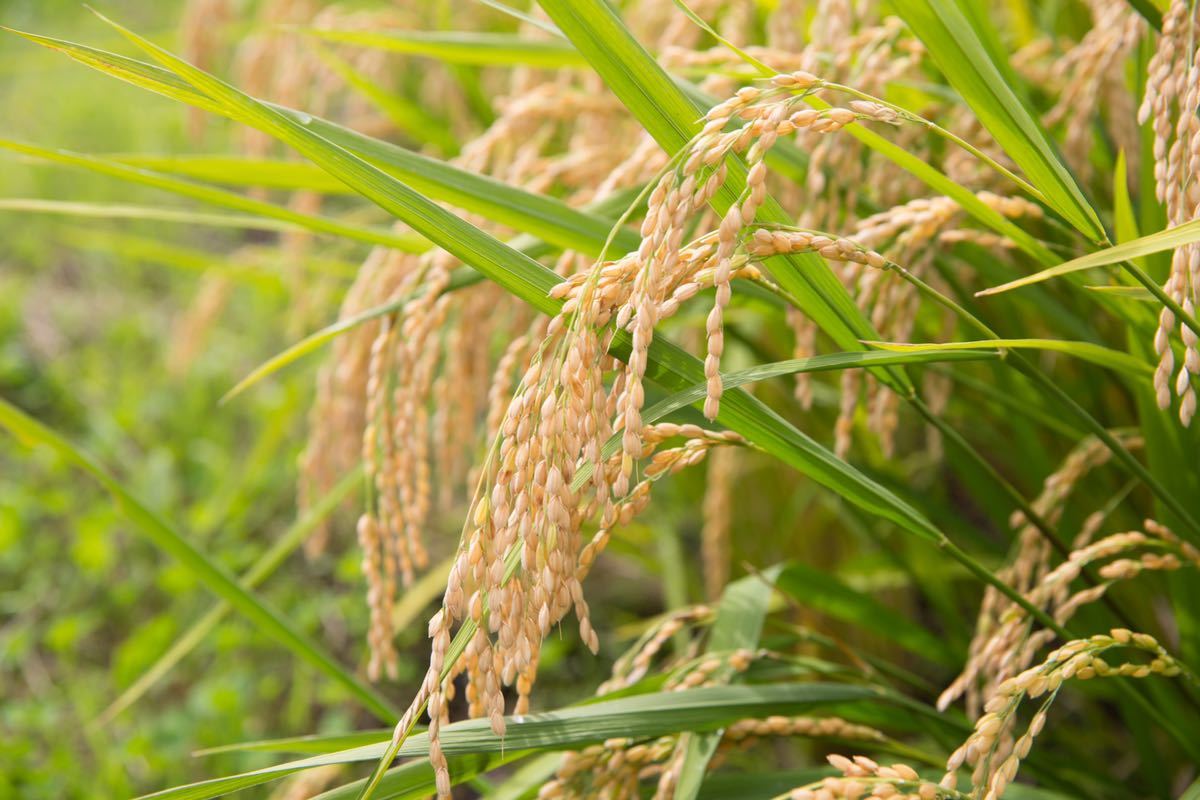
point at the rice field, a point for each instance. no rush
(672, 399)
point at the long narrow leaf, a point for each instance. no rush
(639, 717)
(153, 213)
(1169, 239)
(1086, 351)
(460, 47)
(738, 625)
(221, 197)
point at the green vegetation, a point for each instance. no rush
(343, 347)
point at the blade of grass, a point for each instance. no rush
(312, 744)
(639, 716)
(209, 194)
(265, 173)
(154, 213)
(410, 117)
(1085, 351)
(528, 19)
(212, 575)
(415, 780)
(1121, 254)
(738, 625)
(460, 47)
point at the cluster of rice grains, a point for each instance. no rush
(1001, 669)
(1171, 104)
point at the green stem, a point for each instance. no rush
(1145, 280)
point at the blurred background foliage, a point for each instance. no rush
(103, 337)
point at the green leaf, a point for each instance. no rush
(828, 362)
(266, 173)
(1085, 351)
(695, 394)
(212, 575)
(461, 47)
(221, 197)
(758, 785)
(316, 744)
(407, 115)
(738, 625)
(640, 717)
(1130, 292)
(153, 213)
(964, 60)
(1169, 239)
(415, 780)
(526, 779)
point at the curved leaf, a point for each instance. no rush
(1085, 351)
(1169, 239)
(640, 717)
(460, 47)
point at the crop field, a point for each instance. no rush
(600, 399)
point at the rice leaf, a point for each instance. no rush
(266, 173)
(639, 716)
(409, 116)
(415, 780)
(738, 625)
(460, 47)
(208, 194)
(1085, 351)
(1169, 239)
(314, 744)
(153, 213)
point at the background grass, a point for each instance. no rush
(93, 321)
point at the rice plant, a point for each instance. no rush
(723, 398)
